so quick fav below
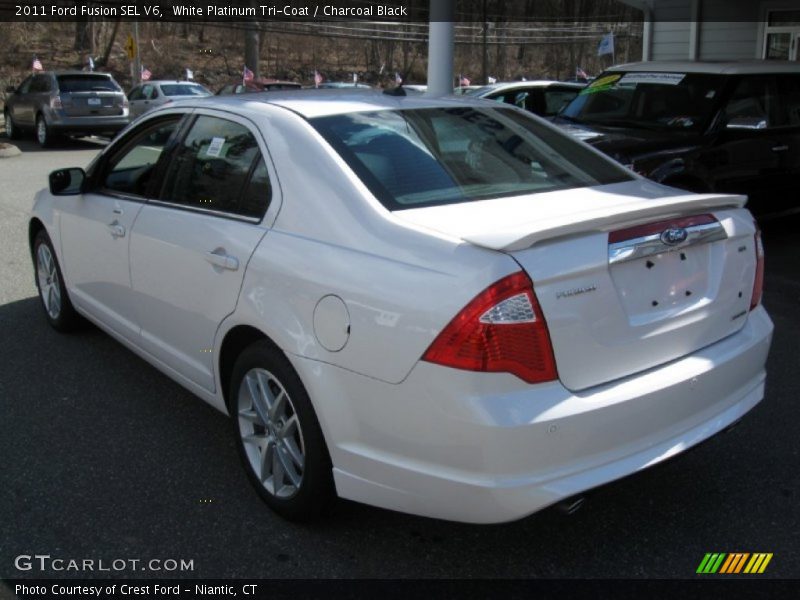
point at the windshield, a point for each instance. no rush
(424, 157)
(87, 83)
(674, 101)
(184, 89)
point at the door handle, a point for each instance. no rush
(116, 230)
(217, 257)
(782, 148)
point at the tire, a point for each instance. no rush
(57, 306)
(12, 131)
(296, 479)
(44, 134)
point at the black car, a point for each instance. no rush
(702, 126)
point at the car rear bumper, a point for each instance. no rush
(487, 448)
(89, 125)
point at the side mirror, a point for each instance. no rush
(11, 89)
(67, 182)
(747, 123)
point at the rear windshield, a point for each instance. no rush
(183, 89)
(87, 83)
(433, 156)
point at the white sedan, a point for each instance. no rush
(442, 306)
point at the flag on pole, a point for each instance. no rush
(355, 78)
(247, 75)
(463, 81)
(606, 45)
(189, 74)
(491, 80)
(383, 68)
(580, 73)
(146, 74)
(397, 79)
(37, 65)
(91, 64)
(317, 79)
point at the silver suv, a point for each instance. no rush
(66, 103)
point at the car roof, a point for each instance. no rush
(170, 81)
(76, 72)
(311, 103)
(508, 85)
(743, 67)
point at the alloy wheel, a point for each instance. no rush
(271, 433)
(41, 132)
(49, 287)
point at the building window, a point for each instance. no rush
(782, 35)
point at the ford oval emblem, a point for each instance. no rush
(674, 236)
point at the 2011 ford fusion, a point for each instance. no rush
(443, 306)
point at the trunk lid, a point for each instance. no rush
(617, 299)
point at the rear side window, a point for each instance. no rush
(424, 157)
(87, 83)
(211, 169)
(40, 83)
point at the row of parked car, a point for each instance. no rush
(732, 127)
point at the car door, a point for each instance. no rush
(747, 153)
(19, 103)
(135, 101)
(788, 139)
(142, 103)
(95, 226)
(191, 245)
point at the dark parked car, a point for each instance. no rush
(702, 126)
(258, 85)
(544, 98)
(69, 103)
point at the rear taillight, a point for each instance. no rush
(55, 102)
(758, 284)
(501, 330)
(125, 103)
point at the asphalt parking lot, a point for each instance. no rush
(104, 458)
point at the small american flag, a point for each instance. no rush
(146, 74)
(462, 81)
(317, 78)
(247, 74)
(37, 65)
(580, 73)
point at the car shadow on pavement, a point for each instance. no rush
(27, 143)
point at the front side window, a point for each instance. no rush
(659, 101)
(211, 167)
(556, 99)
(129, 171)
(136, 94)
(431, 156)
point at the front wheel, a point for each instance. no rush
(50, 283)
(278, 436)
(11, 130)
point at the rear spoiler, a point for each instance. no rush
(526, 234)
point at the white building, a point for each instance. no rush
(720, 29)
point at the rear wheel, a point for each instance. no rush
(43, 133)
(278, 435)
(50, 283)
(11, 130)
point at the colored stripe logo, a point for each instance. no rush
(734, 563)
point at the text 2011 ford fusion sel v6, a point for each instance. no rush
(442, 306)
